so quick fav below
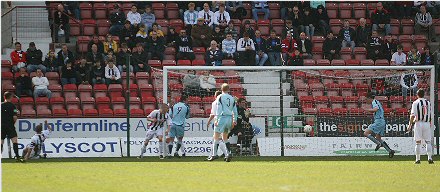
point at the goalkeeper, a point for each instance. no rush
(243, 129)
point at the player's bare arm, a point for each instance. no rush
(411, 123)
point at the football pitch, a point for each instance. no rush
(242, 174)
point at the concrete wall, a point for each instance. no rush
(6, 26)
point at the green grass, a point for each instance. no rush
(242, 174)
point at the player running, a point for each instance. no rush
(225, 121)
(212, 116)
(421, 120)
(33, 149)
(378, 126)
(155, 128)
(9, 117)
(180, 112)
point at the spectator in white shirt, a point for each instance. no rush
(207, 15)
(246, 50)
(112, 74)
(40, 85)
(133, 16)
(398, 58)
(207, 83)
(260, 7)
(190, 17)
(424, 21)
(221, 17)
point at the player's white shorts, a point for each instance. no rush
(422, 131)
(153, 133)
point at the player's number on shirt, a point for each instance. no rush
(179, 109)
(229, 102)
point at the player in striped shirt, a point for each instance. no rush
(180, 112)
(378, 126)
(155, 128)
(421, 120)
(212, 116)
(33, 149)
(225, 121)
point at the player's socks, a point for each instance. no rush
(160, 148)
(2, 148)
(417, 150)
(429, 150)
(182, 149)
(373, 139)
(385, 145)
(228, 147)
(170, 148)
(15, 147)
(215, 147)
(143, 150)
(179, 144)
(223, 148)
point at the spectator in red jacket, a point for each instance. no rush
(18, 58)
(296, 59)
(381, 19)
(288, 45)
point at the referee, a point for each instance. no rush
(421, 120)
(9, 116)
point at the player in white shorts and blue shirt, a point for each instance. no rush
(33, 149)
(421, 121)
(212, 116)
(180, 112)
(378, 126)
(155, 128)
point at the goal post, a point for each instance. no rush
(392, 71)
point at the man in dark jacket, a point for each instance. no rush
(34, 58)
(117, 18)
(60, 22)
(375, 47)
(95, 57)
(95, 40)
(323, 20)
(305, 46)
(139, 59)
(347, 35)
(184, 46)
(127, 35)
(23, 84)
(381, 19)
(297, 21)
(83, 72)
(155, 46)
(201, 34)
(273, 45)
(64, 56)
(121, 59)
(214, 55)
(331, 47)
(362, 33)
(260, 49)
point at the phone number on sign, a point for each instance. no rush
(187, 150)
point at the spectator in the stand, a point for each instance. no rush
(236, 9)
(201, 34)
(297, 21)
(207, 84)
(97, 74)
(190, 17)
(148, 17)
(95, 40)
(414, 57)
(305, 46)
(289, 29)
(273, 44)
(121, 59)
(18, 58)
(246, 50)
(331, 47)
(221, 17)
(286, 9)
(390, 47)
(375, 47)
(112, 74)
(347, 35)
(172, 36)
(427, 58)
(23, 84)
(110, 44)
(184, 47)
(288, 45)
(207, 15)
(64, 56)
(323, 20)
(296, 59)
(83, 72)
(68, 74)
(314, 5)
(40, 84)
(309, 22)
(247, 28)
(260, 49)
(139, 59)
(409, 82)
(433, 7)
(424, 21)
(215, 5)
(61, 22)
(157, 30)
(362, 33)
(117, 18)
(218, 36)
(213, 55)
(110, 56)
(133, 16)
(141, 35)
(94, 56)
(229, 47)
(72, 8)
(127, 35)
(399, 57)
(191, 84)
(231, 29)
(260, 7)
(155, 47)
(34, 58)
(381, 19)
(403, 9)
(51, 62)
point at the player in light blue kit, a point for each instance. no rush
(180, 113)
(225, 121)
(378, 126)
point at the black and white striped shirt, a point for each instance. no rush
(421, 109)
(161, 118)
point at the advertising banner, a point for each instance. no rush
(117, 127)
(333, 146)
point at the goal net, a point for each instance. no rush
(331, 99)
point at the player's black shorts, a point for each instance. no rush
(8, 131)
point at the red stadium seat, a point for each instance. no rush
(275, 11)
(74, 113)
(159, 10)
(90, 112)
(352, 62)
(29, 113)
(84, 91)
(172, 10)
(42, 103)
(86, 10)
(126, 7)
(253, 23)
(228, 62)
(82, 43)
(59, 112)
(120, 112)
(335, 25)
(360, 53)
(100, 10)
(103, 27)
(264, 27)
(163, 23)
(75, 27)
(395, 26)
(325, 111)
(103, 103)
(115, 90)
(340, 111)
(367, 62)
(118, 102)
(197, 112)
(26, 103)
(146, 89)
(332, 10)
(73, 103)
(155, 63)
(183, 63)
(135, 103)
(88, 103)
(318, 41)
(105, 112)
(198, 63)
(177, 24)
(345, 10)
(420, 41)
(89, 26)
(346, 53)
(356, 112)
(360, 10)
(70, 90)
(407, 26)
(278, 26)
(381, 62)
(309, 62)
(137, 113)
(124, 77)
(57, 103)
(100, 90)
(322, 62)
(6, 66)
(310, 111)
(148, 102)
(338, 62)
